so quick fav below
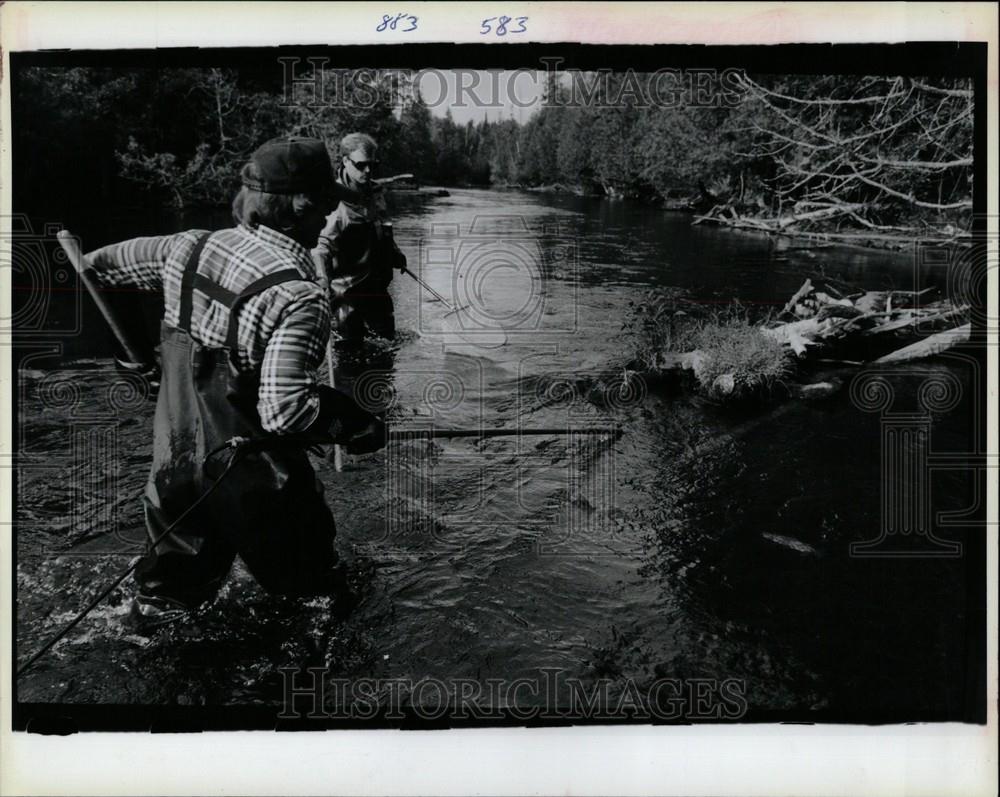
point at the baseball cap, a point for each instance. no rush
(292, 165)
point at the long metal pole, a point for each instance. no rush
(483, 342)
(430, 290)
(387, 180)
(434, 434)
(72, 249)
(338, 455)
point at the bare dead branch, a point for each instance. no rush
(965, 93)
(919, 165)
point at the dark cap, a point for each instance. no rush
(292, 165)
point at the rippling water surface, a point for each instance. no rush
(702, 543)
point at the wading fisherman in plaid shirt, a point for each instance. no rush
(245, 328)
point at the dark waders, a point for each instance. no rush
(269, 509)
(367, 306)
(359, 312)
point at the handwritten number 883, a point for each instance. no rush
(390, 23)
(501, 27)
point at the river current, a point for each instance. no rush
(702, 543)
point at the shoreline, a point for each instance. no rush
(818, 239)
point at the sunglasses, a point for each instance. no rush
(364, 165)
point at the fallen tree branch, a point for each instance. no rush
(920, 165)
(801, 293)
(748, 83)
(927, 347)
(906, 236)
(913, 319)
(966, 93)
(965, 203)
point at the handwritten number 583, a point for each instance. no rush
(501, 26)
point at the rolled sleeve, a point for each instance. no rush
(326, 250)
(137, 263)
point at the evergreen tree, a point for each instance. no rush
(417, 136)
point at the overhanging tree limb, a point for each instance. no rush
(889, 147)
(965, 203)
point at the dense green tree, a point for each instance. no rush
(573, 151)
(539, 143)
(449, 146)
(417, 138)
(502, 150)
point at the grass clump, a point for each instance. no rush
(732, 360)
(737, 360)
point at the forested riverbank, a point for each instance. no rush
(846, 158)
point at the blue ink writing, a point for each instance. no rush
(390, 23)
(501, 29)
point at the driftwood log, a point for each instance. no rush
(825, 320)
(827, 324)
(928, 347)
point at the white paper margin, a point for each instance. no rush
(930, 759)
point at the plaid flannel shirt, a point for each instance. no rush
(282, 331)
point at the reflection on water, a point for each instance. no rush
(702, 543)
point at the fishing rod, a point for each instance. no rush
(85, 270)
(241, 446)
(431, 291)
(487, 341)
(387, 229)
(394, 178)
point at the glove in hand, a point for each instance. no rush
(370, 439)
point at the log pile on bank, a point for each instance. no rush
(731, 358)
(821, 224)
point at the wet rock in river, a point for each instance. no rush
(816, 390)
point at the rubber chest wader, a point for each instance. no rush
(365, 247)
(269, 509)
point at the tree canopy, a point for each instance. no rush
(877, 153)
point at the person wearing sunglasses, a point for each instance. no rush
(356, 249)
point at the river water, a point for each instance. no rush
(702, 543)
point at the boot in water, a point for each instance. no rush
(345, 598)
(149, 613)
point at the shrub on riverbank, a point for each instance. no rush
(737, 361)
(725, 350)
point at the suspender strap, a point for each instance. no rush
(192, 279)
(213, 290)
(188, 281)
(261, 285)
